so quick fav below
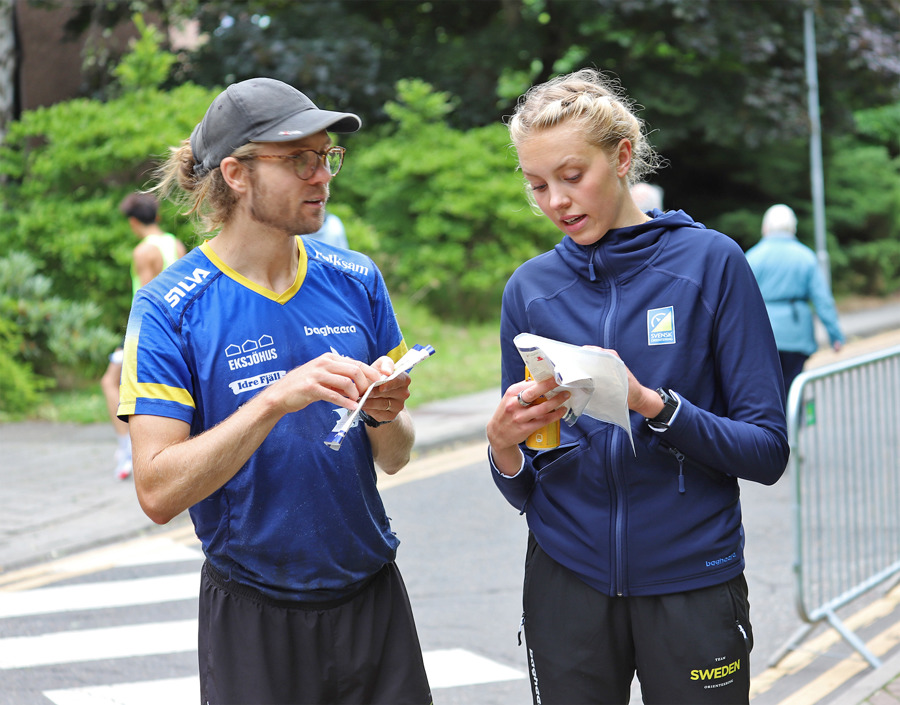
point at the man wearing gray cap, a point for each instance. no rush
(239, 361)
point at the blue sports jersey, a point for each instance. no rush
(299, 520)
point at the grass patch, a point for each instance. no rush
(85, 405)
(466, 360)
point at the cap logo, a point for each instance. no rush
(285, 133)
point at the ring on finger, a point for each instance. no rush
(521, 401)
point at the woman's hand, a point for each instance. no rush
(641, 399)
(520, 413)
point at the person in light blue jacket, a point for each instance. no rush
(790, 280)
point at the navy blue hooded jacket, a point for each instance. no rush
(680, 305)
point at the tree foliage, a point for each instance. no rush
(65, 288)
(145, 66)
(722, 83)
(429, 187)
(449, 208)
(730, 73)
(67, 168)
(95, 22)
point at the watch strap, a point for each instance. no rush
(660, 422)
(369, 421)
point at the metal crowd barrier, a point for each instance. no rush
(844, 432)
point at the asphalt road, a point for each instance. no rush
(82, 630)
(461, 554)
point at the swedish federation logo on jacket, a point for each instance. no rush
(661, 326)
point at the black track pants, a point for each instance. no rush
(584, 647)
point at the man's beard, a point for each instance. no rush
(263, 211)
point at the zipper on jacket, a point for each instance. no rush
(616, 468)
(679, 456)
(620, 522)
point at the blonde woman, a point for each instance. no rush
(635, 557)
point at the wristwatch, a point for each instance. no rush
(660, 422)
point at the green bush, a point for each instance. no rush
(881, 126)
(862, 207)
(742, 225)
(862, 193)
(448, 207)
(869, 268)
(59, 338)
(67, 167)
(20, 387)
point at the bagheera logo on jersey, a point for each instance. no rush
(329, 330)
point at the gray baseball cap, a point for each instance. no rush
(260, 110)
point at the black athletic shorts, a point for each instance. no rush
(362, 649)
(689, 648)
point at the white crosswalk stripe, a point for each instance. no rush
(446, 668)
(94, 596)
(171, 691)
(449, 668)
(97, 644)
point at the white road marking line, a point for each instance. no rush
(172, 691)
(144, 551)
(97, 644)
(447, 668)
(92, 596)
(450, 668)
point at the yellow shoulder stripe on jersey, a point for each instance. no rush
(131, 389)
(399, 351)
(163, 392)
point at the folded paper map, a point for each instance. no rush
(413, 357)
(596, 379)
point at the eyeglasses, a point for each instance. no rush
(307, 162)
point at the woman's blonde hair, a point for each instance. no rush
(595, 103)
(207, 198)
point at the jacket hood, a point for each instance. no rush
(622, 251)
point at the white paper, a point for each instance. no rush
(596, 379)
(413, 357)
